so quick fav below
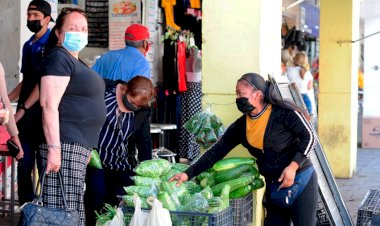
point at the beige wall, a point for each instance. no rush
(337, 121)
(239, 36)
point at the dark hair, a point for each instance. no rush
(53, 39)
(140, 86)
(270, 93)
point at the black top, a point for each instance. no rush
(82, 110)
(288, 137)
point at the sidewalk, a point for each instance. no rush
(366, 176)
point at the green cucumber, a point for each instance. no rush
(230, 174)
(229, 163)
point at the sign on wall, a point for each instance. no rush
(121, 14)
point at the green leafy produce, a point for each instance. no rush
(142, 191)
(166, 201)
(128, 200)
(179, 166)
(153, 168)
(207, 192)
(169, 174)
(95, 161)
(146, 181)
(107, 214)
(208, 181)
(192, 187)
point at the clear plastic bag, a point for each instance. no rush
(206, 128)
(117, 220)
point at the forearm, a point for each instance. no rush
(33, 97)
(50, 122)
(15, 93)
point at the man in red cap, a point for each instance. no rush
(28, 115)
(115, 65)
(126, 63)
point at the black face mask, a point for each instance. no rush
(128, 104)
(244, 106)
(34, 25)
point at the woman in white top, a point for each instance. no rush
(301, 75)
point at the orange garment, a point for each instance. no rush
(169, 13)
(255, 129)
(195, 4)
(360, 79)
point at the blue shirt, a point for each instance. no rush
(113, 138)
(123, 64)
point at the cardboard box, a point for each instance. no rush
(371, 132)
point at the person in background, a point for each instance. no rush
(73, 111)
(126, 63)
(301, 75)
(7, 117)
(115, 66)
(28, 115)
(280, 137)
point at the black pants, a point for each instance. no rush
(302, 212)
(103, 186)
(24, 172)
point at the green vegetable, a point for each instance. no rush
(169, 174)
(207, 192)
(234, 184)
(192, 187)
(241, 192)
(205, 174)
(128, 200)
(179, 166)
(224, 195)
(142, 191)
(229, 163)
(152, 168)
(257, 183)
(166, 201)
(95, 161)
(108, 212)
(146, 181)
(208, 181)
(230, 174)
(215, 201)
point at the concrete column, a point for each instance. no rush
(338, 84)
(239, 36)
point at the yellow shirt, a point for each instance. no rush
(256, 127)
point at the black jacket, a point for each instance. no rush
(288, 137)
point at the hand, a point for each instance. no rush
(53, 160)
(288, 175)
(16, 140)
(179, 177)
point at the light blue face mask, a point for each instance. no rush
(75, 41)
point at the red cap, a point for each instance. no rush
(136, 32)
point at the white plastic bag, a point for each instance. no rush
(158, 216)
(139, 217)
(117, 220)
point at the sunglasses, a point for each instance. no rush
(67, 10)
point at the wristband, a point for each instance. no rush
(22, 106)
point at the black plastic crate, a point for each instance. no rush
(368, 207)
(322, 216)
(242, 210)
(223, 218)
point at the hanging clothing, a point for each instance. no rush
(169, 13)
(191, 103)
(181, 56)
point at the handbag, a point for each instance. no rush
(285, 197)
(35, 213)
